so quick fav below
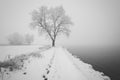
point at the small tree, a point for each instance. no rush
(29, 38)
(51, 22)
(16, 39)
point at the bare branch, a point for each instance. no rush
(51, 21)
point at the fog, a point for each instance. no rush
(95, 35)
(96, 22)
(105, 59)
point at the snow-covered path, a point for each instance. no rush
(65, 68)
(57, 64)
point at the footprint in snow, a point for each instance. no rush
(45, 77)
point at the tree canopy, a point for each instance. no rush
(52, 22)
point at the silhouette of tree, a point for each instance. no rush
(51, 22)
(29, 38)
(15, 39)
(18, 39)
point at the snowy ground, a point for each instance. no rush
(56, 64)
(17, 50)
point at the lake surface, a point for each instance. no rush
(106, 60)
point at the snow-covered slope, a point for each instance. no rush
(18, 50)
(57, 64)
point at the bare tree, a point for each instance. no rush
(52, 22)
(16, 39)
(29, 38)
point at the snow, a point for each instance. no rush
(17, 50)
(57, 64)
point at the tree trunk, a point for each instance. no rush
(53, 43)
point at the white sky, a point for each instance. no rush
(96, 22)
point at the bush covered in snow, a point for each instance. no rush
(16, 63)
(10, 65)
(18, 39)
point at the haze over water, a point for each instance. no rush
(104, 59)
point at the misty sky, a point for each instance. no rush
(96, 22)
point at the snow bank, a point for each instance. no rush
(86, 69)
(18, 50)
(57, 64)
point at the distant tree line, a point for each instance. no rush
(18, 39)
